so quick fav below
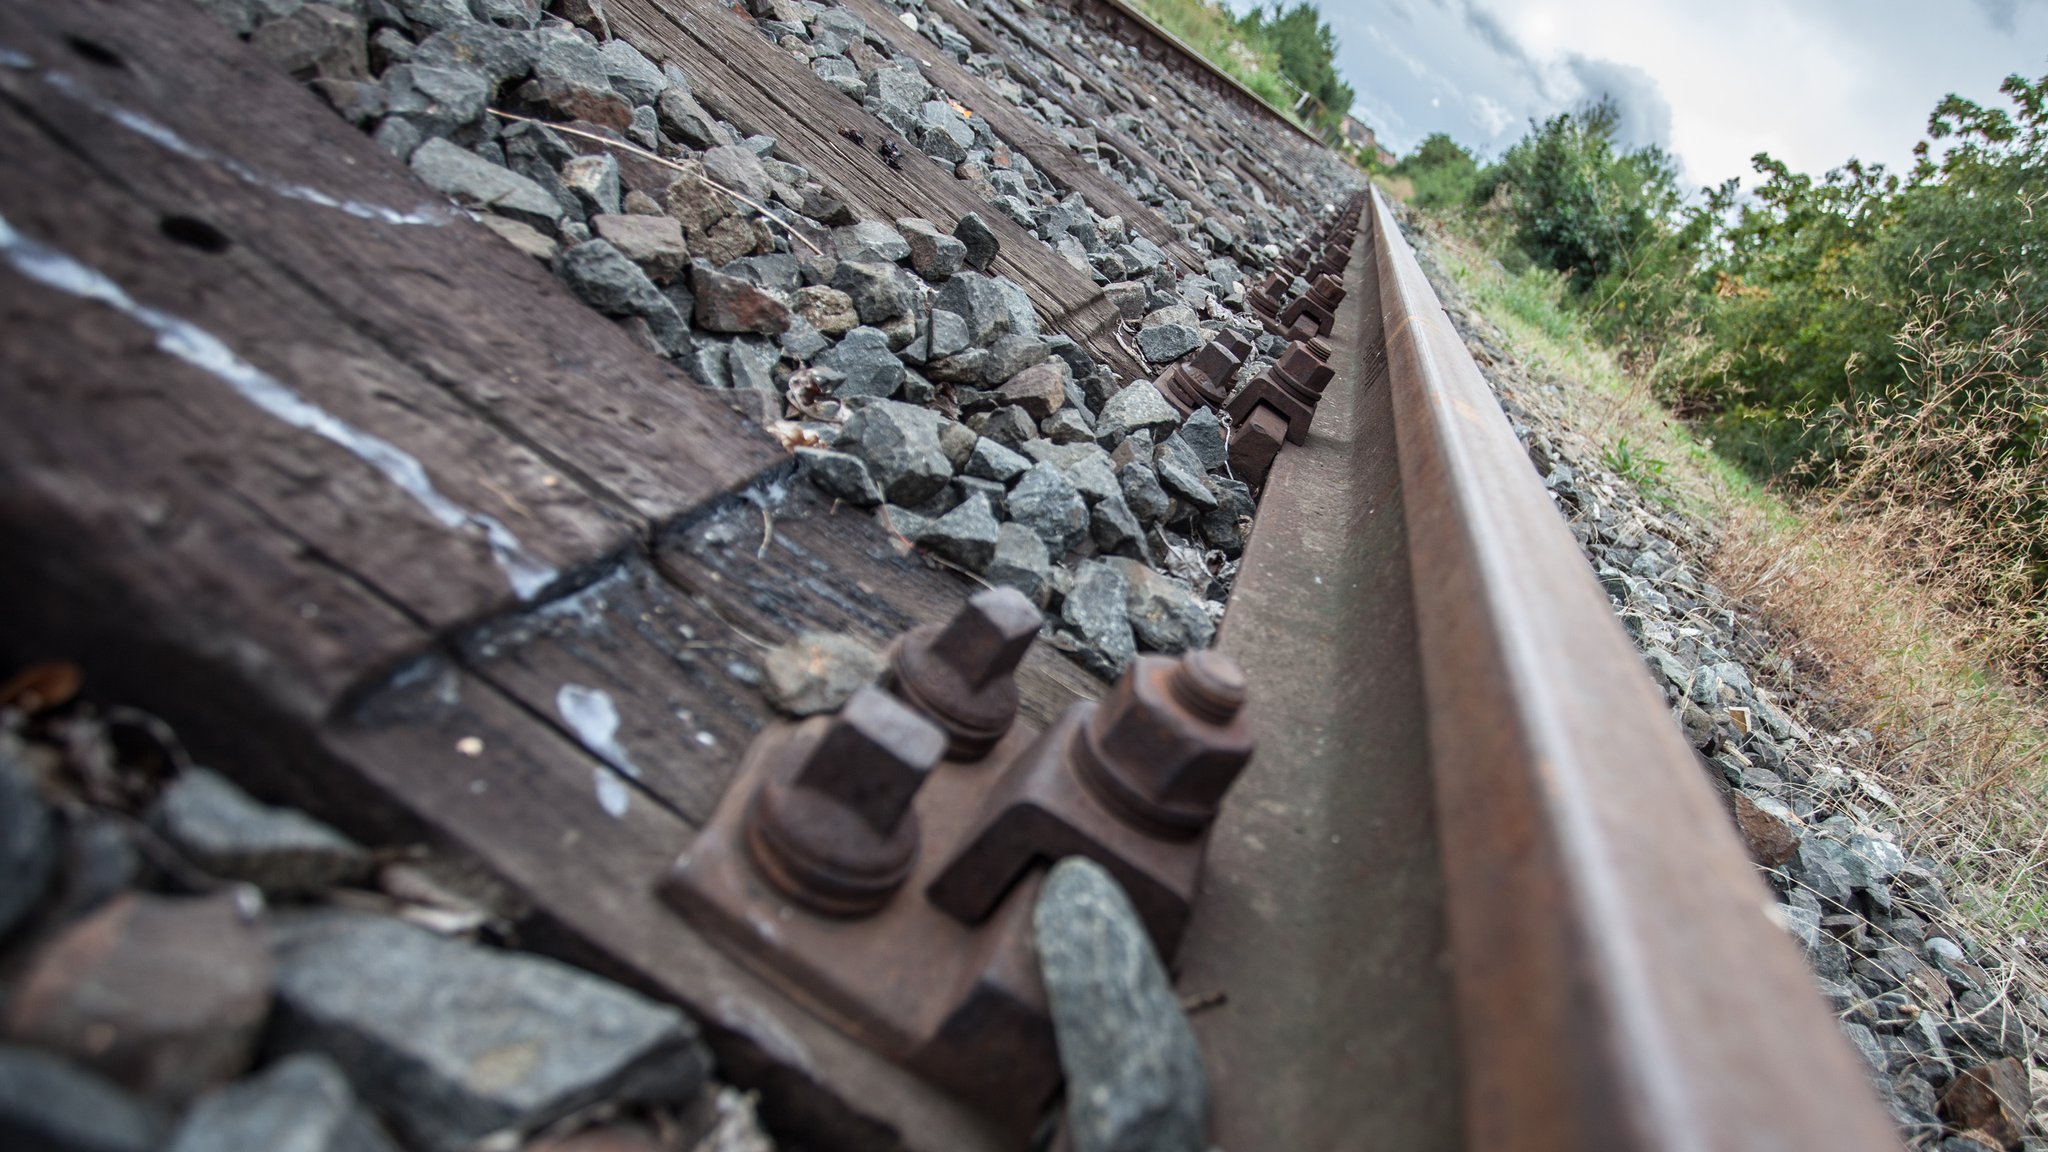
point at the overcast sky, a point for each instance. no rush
(1813, 82)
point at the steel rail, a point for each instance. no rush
(1618, 981)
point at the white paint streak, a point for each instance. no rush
(206, 352)
(165, 138)
(590, 713)
(612, 795)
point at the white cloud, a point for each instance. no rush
(1813, 83)
(1492, 116)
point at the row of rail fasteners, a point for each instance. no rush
(880, 863)
(1297, 302)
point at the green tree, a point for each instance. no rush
(1578, 204)
(1307, 49)
(1441, 171)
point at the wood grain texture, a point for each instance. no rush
(504, 338)
(235, 414)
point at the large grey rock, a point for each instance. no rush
(164, 995)
(730, 304)
(1223, 527)
(569, 79)
(870, 241)
(1116, 530)
(1010, 355)
(900, 443)
(509, 13)
(594, 180)
(317, 41)
(452, 1042)
(1163, 343)
(1134, 1075)
(1180, 470)
(842, 74)
(1086, 466)
(606, 280)
(1045, 502)
(976, 299)
(737, 168)
(878, 296)
(1017, 310)
(1138, 406)
(1821, 866)
(989, 460)
(864, 358)
(655, 243)
(434, 101)
(28, 842)
(1097, 609)
(1142, 493)
(686, 121)
(839, 475)
(475, 182)
(901, 91)
(231, 834)
(302, 1103)
(1009, 425)
(1021, 562)
(981, 241)
(1165, 616)
(436, 13)
(1129, 297)
(501, 54)
(967, 535)
(51, 1105)
(933, 254)
(1204, 433)
(632, 75)
(943, 132)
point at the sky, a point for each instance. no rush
(1813, 82)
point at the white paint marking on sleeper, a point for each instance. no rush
(164, 137)
(206, 352)
(590, 713)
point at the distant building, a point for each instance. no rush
(1359, 136)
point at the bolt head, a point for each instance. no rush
(1174, 756)
(989, 637)
(871, 758)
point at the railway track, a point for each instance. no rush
(390, 526)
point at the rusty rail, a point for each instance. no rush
(1613, 974)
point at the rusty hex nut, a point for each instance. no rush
(831, 825)
(1167, 742)
(962, 674)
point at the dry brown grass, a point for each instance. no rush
(1891, 596)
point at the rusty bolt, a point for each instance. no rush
(832, 824)
(961, 674)
(1168, 742)
(1300, 367)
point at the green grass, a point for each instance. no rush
(1967, 756)
(1209, 30)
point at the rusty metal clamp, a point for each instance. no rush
(1132, 783)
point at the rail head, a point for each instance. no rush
(1619, 983)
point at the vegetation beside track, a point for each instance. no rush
(1281, 53)
(1844, 377)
